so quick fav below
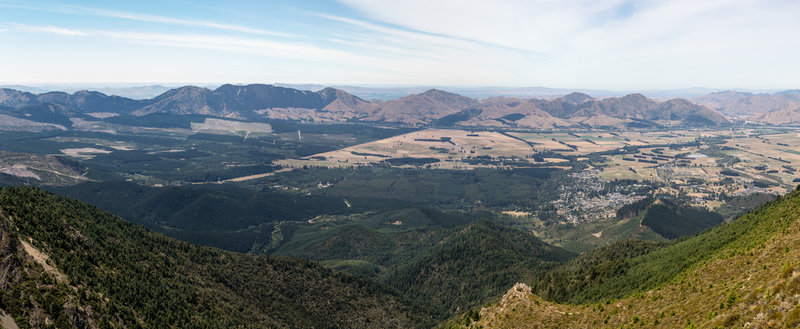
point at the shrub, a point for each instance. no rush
(787, 271)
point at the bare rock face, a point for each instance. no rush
(10, 265)
(518, 292)
(13, 271)
(78, 316)
(18, 267)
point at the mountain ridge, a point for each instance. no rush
(769, 108)
(260, 101)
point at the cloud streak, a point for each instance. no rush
(47, 29)
(617, 43)
(149, 18)
(177, 21)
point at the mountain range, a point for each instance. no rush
(432, 107)
(776, 108)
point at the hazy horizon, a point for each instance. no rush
(376, 91)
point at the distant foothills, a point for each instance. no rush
(257, 102)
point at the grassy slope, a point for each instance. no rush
(121, 274)
(737, 273)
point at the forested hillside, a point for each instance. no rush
(442, 266)
(69, 264)
(477, 263)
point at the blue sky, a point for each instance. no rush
(601, 44)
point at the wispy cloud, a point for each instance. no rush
(403, 65)
(46, 29)
(381, 58)
(396, 42)
(142, 17)
(233, 44)
(623, 44)
(178, 21)
(225, 43)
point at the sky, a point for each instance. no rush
(598, 44)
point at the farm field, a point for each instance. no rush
(580, 143)
(462, 149)
(439, 148)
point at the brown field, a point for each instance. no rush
(466, 144)
(766, 151)
(456, 146)
(601, 141)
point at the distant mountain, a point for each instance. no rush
(780, 108)
(344, 106)
(16, 98)
(780, 117)
(512, 112)
(91, 101)
(81, 101)
(577, 109)
(228, 100)
(432, 107)
(133, 91)
(384, 93)
(743, 104)
(421, 108)
(37, 90)
(66, 264)
(580, 108)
